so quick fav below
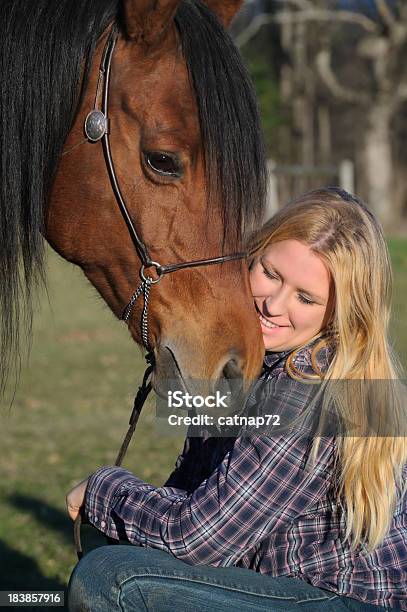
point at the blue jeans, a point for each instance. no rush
(132, 578)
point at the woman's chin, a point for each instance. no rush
(273, 345)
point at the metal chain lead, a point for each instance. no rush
(144, 288)
(144, 317)
(134, 298)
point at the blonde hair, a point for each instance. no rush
(348, 238)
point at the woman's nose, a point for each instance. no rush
(276, 304)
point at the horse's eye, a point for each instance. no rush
(165, 164)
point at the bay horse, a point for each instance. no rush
(184, 133)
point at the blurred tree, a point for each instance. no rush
(263, 59)
(347, 52)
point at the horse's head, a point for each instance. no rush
(185, 143)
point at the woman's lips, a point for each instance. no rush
(266, 323)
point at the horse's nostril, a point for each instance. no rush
(231, 383)
(232, 369)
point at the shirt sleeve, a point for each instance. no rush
(261, 484)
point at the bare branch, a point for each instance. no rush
(300, 4)
(323, 63)
(386, 13)
(326, 15)
(373, 47)
(401, 93)
(254, 26)
(403, 13)
(308, 15)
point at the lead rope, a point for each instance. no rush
(142, 394)
(139, 401)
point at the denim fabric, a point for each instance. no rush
(254, 502)
(131, 578)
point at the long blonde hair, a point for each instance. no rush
(348, 238)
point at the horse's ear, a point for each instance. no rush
(147, 20)
(225, 10)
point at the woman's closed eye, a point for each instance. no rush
(270, 274)
(274, 276)
(305, 300)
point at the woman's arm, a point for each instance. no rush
(260, 485)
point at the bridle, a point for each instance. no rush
(97, 127)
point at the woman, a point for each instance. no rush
(322, 515)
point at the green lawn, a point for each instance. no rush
(69, 416)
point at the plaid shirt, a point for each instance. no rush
(251, 502)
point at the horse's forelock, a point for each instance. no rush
(229, 118)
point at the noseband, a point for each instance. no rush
(97, 127)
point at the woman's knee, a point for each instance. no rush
(96, 581)
(93, 584)
(87, 579)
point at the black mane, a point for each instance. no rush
(42, 48)
(228, 116)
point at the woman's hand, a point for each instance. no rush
(75, 498)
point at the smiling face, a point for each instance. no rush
(291, 289)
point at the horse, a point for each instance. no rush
(187, 169)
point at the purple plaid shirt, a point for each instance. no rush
(251, 502)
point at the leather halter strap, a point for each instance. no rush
(147, 261)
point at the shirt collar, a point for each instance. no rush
(271, 358)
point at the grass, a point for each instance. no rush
(69, 416)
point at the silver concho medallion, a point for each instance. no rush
(95, 125)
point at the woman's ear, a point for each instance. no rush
(225, 10)
(147, 20)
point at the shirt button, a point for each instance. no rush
(103, 524)
(96, 519)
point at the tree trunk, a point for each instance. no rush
(378, 163)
